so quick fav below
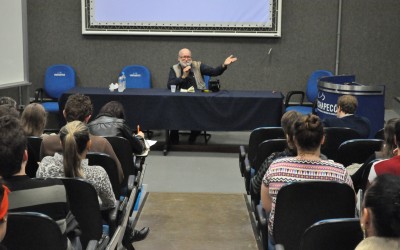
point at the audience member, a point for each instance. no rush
(380, 219)
(28, 195)
(388, 150)
(79, 108)
(8, 100)
(76, 141)
(7, 109)
(188, 73)
(345, 117)
(111, 122)
(388, 166)
(287, 121)
(308, 134)
(34, 119)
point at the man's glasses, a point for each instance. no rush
(185, 57)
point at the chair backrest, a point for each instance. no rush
(137, 76)
(58, 79)
(84, 205)
(334, 136)
(357, 150)
(29, 230)
(123, 150)
(380, 134)
(300, 204)
(32, 165)
(108, 163)
(365, 175)
(312, 84)
(333, 234)
(259, 135)
(266, 148)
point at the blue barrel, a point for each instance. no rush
(371, 99)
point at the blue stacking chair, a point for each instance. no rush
(311, 94)
(58, 79)
(137, 76)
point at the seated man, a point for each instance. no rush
(28, 195)
(345, 117)
(188, 73)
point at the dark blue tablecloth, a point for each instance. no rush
(219, 111)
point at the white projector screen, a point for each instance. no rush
(13, 44)
(179, 17)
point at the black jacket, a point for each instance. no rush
(105, 125)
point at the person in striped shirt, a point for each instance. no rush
(307, 165)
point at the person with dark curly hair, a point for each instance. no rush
(111, 122)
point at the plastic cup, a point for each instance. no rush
(173, 88)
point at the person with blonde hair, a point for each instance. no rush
(75, 141)
(34, 119)
(80, 108)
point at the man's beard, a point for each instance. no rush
(185, 64)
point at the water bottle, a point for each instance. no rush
(121, 83)
(123, 80)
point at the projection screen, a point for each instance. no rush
(182, 18)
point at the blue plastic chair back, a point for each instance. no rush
(137, 76)
(312, 84)
(59, 78)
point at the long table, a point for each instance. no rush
(159, 109)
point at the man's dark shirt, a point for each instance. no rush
(360, 124)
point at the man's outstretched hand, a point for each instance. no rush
(229, 60)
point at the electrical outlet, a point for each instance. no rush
(21, 107)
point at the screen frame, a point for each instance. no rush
(189, 30)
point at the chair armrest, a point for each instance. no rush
(131, 183)
(254, 197)
(242, 156)
(39, 95)
(92, 245)
(113, 217)
(262, 216)
(293, 93)
(247, 175)
(98, 245)
(139, 161)
(122, 210)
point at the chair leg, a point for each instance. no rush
(206, 137)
